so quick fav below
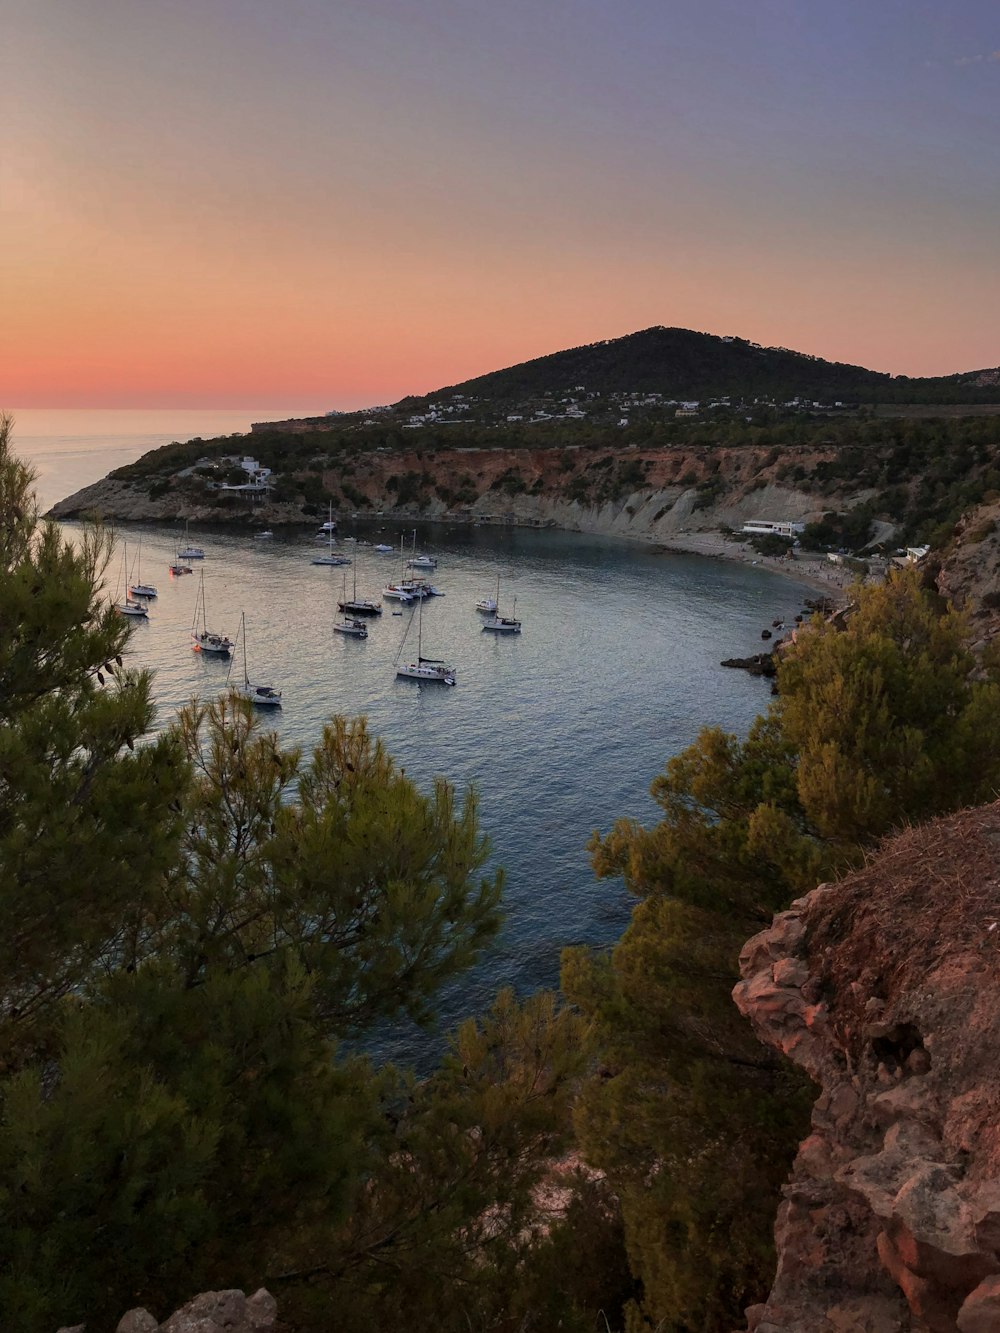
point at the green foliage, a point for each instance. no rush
(88, 819)
(771, 543)
(886, 721)
(849, 531)
(196, 925)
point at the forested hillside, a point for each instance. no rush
(683, 364)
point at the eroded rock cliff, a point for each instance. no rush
(649, 494)
(885, 988)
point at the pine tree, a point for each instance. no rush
(202, 930)
(88, 819)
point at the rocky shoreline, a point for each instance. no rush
(662, 519)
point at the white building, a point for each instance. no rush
(257, 477)
(759, 527)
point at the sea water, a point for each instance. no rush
(560, 729)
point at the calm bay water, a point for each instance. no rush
(561, 728)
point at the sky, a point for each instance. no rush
(222, 202)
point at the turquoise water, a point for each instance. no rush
(561, 728)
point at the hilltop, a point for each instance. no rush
(660, 375)
(683, 365)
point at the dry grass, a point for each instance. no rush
(928, 895)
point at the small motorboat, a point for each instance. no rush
(263, 536)
(383, 549)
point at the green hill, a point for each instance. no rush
(682, 364)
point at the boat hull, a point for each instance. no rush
(427, 674)
(216, 645)
(261, 695)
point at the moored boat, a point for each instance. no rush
(265, 696)
(424, 669)
(498, 624)
(203, 639)
(352, 627)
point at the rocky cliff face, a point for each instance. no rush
(969, 574)
(885, 988)
(650, 494)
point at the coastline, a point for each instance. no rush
(655, 520)
(815, 570)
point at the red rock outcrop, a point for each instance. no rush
(885, 988)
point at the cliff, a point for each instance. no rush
(969, 571)
(885, 988)
(644, 493)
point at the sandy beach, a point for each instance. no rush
(806, 567)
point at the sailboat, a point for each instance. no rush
(264, 695)
(420, 561)
(399, 592)
(498, 624)
(127, 606)
(187, 552)
(358, 606)
(204, 639)
(352, 627)
(331, 557)
(424, 668)
(140, 589)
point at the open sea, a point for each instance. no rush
(561, 729)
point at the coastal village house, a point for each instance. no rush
(258, 478)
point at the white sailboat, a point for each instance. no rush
(331, 557)
(187, 552)
(140, 589)
(128, 606)
(205, 640)
(266, 696)
(498, 624)
(424, 668)
(399, 592)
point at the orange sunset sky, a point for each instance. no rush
(246, 201)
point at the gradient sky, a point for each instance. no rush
(214, 202)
